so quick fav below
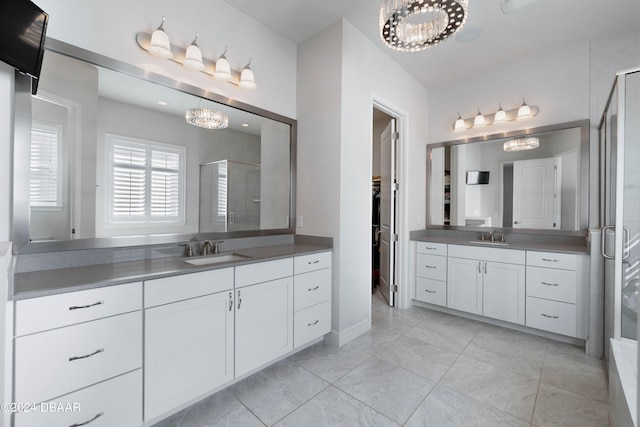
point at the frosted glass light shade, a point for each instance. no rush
(193, 57)
(479, 121)
(524, 112)
(459, 124)
(160, 45)
(500, 116)
(247, 79)
(223, 69)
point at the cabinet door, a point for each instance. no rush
(264, 323)
(464, 287)
(188, 350)
(504, 291)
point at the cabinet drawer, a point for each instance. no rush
(311, 323)
(553, 284)
(311, 288)
(431, 291)
(552, 316)
(431, 248)
(57, 362)
(552, 260)
(509, 256)
(39, 314)
(306, 263)
(431, 267)
(176, 288)
(116, 402)
(263, 271)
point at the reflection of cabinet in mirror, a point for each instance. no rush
(229, 196)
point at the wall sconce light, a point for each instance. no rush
(499, 117)
(158, 44)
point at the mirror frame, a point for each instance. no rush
(21, 153)
(584, 178)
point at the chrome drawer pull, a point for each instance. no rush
(430, 249)
(430, 266)
(230, 301)
(549, 317)
(239, 300)
(313, 323)
(100, 350)
(313, 289)
(429, 291)
(550, 260)
(87, 422)
(78, 307)
(314, 262)
(549, 284)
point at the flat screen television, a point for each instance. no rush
(477, 177)
(23, 27)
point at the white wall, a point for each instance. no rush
(341, 73)
(110, 28)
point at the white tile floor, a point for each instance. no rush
(417, 368)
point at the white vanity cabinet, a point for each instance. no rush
(264, 313)
(555, 301)
(80, 347)
(189, 327)
(487, 281)
(431, 273)
(312, 297)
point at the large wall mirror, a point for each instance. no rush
(535, 180)
(107, 159)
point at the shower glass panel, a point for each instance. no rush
(229, 196)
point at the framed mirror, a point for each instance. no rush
(531, 181)
(105, 156)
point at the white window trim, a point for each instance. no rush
(58, 205)
(148, 223)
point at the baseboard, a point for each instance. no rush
(341, 338)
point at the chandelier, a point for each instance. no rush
(207, 118)
(401, 28)
(521, 144)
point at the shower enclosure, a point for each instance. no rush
(229, 196)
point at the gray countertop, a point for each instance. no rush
(527, 246)
(49, 282)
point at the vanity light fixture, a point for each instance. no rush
(479, 120)
(521, 144)
(193, 57)
(223, 69)
(158, 44)
(499, 117)
(402, 30)
(207, 118)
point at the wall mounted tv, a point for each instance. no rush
(23, 27)
(477, 177)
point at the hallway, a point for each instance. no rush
(417, 367)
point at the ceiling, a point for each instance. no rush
(536, 28)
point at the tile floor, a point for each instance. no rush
(417, 368)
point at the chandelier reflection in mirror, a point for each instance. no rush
(207, 118)
(401, 27)
(521, 144)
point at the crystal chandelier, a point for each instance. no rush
(207, 118)
(521, 144)
(401, 30)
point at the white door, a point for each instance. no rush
(188, 350)
(264, 323)
(534, 193)
(503, 292)
(464, 286)
(388, 190)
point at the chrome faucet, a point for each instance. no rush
(189, 249)
(210, 247)
(493, 236)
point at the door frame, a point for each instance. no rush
(403, 258)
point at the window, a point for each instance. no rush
(45, 188)
(146, 182)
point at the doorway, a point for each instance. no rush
(384, 188)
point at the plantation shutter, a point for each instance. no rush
(44, 167)
(129, 199)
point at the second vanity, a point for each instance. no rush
(544, 288)
(134, 345)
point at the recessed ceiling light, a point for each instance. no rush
(245, 125)
(510, 6)
(468, 35)
(163, 103)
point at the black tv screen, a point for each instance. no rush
(23, 26)
(477, 177)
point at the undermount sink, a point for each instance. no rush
(488, 243)
(215, 259)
